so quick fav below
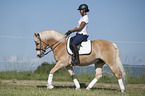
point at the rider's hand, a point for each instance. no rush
(68, 33)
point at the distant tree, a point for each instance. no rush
(46, 67)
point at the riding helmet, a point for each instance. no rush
(84, 6)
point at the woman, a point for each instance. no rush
(81, 34)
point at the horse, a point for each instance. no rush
(103, 52)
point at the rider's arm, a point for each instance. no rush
(79, 28)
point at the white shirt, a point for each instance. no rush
(86, 20)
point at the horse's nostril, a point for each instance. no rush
(39, 56)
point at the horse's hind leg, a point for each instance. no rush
(98, 69)
(111, 64)
(118, 75)
(72, 74)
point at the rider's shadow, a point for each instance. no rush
(56, 87)
(82, 85)
(104, 89)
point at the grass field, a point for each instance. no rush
(34, 84)
(38, 88)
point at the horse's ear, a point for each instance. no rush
(35, 35)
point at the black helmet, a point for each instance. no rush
(84, 6)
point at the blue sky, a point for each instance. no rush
(112, 20)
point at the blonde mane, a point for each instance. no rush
(51, 34)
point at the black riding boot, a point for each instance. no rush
(75, 57)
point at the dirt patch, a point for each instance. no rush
(34, 82)
(68, 84)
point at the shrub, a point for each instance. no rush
(46, 67)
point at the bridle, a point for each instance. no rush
(42, 50)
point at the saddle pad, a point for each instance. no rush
(85, 48)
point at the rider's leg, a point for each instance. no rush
(75, 55)
(77, 40)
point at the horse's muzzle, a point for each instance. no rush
(40, 55)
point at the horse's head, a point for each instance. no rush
(46, 38)
(40, 45)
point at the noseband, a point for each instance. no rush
(41, 47)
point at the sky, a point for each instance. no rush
(118, 21)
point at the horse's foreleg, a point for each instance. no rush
(72, 74)
(49, 85)
(59, 65)
(98, 67)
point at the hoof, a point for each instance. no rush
(122, 91)
(78, 89)
(49, 86)
(87, 88)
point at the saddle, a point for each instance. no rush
(84, 48)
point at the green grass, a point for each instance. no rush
(65, 77)
(12, 88)
(15, 89)
(41, 73)
(34, 91)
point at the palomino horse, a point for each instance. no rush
(103, 52)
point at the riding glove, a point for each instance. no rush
(68, 33)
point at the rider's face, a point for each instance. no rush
(81, 12)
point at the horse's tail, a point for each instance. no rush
(118, 63)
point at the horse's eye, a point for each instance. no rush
(36, 43)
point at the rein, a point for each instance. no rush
(41, 47)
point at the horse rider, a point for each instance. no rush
(81, 30)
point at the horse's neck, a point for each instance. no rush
(51, 42)
(54, 43)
